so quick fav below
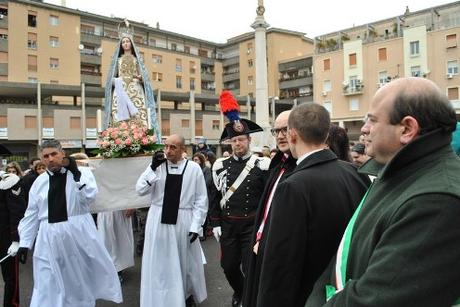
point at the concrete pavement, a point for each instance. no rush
(219, 292)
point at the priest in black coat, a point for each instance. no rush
(281, 165)
(309, 212)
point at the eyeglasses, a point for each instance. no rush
(276, 131)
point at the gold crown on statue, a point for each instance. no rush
(125, 30)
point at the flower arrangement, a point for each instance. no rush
(125, 140)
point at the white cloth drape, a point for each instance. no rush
(125, 108)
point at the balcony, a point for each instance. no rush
(231, 77)
(207, 76)
(3, 45)
(207, 61)
(90, 59)
(354, 90)
(293, 82)
(231, 61)
(3, 69)
(91, 77)
(90, 37)
(4, 22)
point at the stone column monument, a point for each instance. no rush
(262, 106)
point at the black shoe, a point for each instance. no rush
(236, 300)
(190, 302)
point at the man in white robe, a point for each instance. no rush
(71, 266)
(172, 263)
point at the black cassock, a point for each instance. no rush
(309, 213)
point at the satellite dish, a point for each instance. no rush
(80, 47)
(99, 50)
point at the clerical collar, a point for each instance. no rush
(304, 156)
(62, 170)
(175, 166)
(246, 156)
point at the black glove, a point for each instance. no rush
(22, 254)
(71, 165)
(193, 236)
(157, 159)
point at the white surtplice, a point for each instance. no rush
(72, 268)
(116, 231)
(172, 267)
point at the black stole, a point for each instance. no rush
(57, 203)
(171, 199)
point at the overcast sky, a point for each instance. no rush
(217, 20)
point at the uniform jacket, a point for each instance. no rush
(255, 261)
(405, 244)
(12, 207)
(309, 213)
(245, 200)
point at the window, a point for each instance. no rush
(327, 85)
(383, 77)
(178, 82)
(249, 48)
(54, 20)
(32, 19)
(452, 93)
(157, 59)
(451, 40)
(165, 129)
(382, 54)
(54, 41)
(216, 124)
(30, 122)
(352, 59)
(152, 42)
(32, 41)
(4, 36)
(75, 122)
(452, 67)
(353, 82)
(414, 48)
(178, 65)
(173, 47)
(354, 104)
(54, 63)
(203, 53)
(328, 106)
(48, 122)
(326, 64)
(157, 76)
(250, 63)
(250, 80)
(138, 39)
(3, 11)
(185, 123)
(415, 71)
(32, 63)
(192, 67)
(87, 29)
(192, 84)
(186, 49)
(3, 121)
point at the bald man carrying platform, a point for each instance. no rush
(172, 264)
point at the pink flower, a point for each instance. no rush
(124, 125)
(136, 136)
(104, 133)
(114, 135)
(145, 141)
(118, 141)
(128, 142)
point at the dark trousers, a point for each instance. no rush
(10, 273)
(235, 244)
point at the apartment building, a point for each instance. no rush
(60, 49)
(351, 64)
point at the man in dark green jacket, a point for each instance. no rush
(401, 248)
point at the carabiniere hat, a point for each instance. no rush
(237, 126)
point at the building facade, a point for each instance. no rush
(54, 63)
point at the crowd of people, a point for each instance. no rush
(317, 221)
